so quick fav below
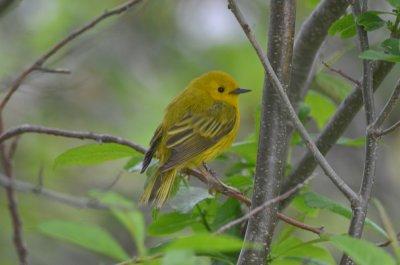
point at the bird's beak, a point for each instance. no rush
(239, 90)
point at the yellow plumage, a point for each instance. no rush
(197, 126)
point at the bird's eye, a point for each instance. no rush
(221, 89)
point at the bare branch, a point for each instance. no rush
(308, 42)
(262, 207)
(335, 128)
(380, 133)
(41, 60)
(360, 211)
(59, 197)
(387, 109)
(342, 74)
(328, 170)
(273, 140)
(387, 242)
(101, 138)
(16, 221)
(52, 71)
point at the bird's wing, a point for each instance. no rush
(196, 132)
(155, 141)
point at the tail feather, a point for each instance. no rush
(159, 188)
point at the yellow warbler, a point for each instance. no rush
(198, 124)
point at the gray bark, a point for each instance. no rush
(273, 140)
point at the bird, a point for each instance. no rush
(198, 125)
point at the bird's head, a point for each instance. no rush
(220, 86)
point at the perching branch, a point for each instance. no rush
(328, 170)
(42, 59)
(213, 182)
(262, 207)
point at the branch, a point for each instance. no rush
(335, 128)
(16, 221)
(53, 71)
(388, 130)
(328, 170)
(71, 200)
(308, 42)
(213, 183)
(4, 5)
(41, 60)
(101, 138)
(360, 211)
(387, 109)
(262, 207)
(342, 74)
(273, 140)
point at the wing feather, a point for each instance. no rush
(196, 133)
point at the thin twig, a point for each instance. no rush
(101, 138)
(387, 242)
(329, 171)
(16, 220)
(52, 71)
(42, 59)
(262, 207)
(342, 74)
(360, 211)
(387, 109)
(59, 197)
(212, 182)
(383, 132)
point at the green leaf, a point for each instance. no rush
(134, 164)
(391, 46)
(394, 3)
(357, 142)
(240, 182)
(333, 87)
(170, 223)
(370, 21)
(321, 202)
(293, 251)
(179, 257)
(207, 243)
(378, 55)
(362, 252)
(187, 197)
(246, 149)
(92, 154)
(91, 237)
(300, 205)
(226, 212)
(132, 220)
(387, 223)
(304, 112)
(321, 107)
(345, 26)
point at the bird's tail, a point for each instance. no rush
(158, 188)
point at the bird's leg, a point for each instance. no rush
(210, 171)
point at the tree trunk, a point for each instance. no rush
(273, 140)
